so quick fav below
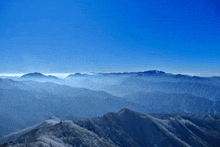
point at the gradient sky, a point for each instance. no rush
(55, 36)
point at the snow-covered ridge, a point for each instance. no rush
(125, 128)
(47, 123)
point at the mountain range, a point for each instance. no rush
(27, 101)
(124, 128)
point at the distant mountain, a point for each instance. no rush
(187, 77)
(37, 75)
(127, 128)
(216, 78)
(161, 75)
(161, 102)
(77, 75)
(150, 72)
(129, 85)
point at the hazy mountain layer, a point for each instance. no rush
(29, 102)
(161, 102)
(138, 84)
(121, 84)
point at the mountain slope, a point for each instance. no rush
(61, 135)
(8, 125)
(14, 135)
(150, 130)
(128, 128)
(29, 102)
(161, 102)
(137, 84)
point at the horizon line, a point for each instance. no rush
(65, 74)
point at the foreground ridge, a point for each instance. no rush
(126, 128)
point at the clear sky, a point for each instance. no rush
(61, 36)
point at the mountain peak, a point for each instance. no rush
(77, 75)
(37, 75)
(152, 72)
(125, 110)
(149, 72)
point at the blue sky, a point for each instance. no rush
(54, 36)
